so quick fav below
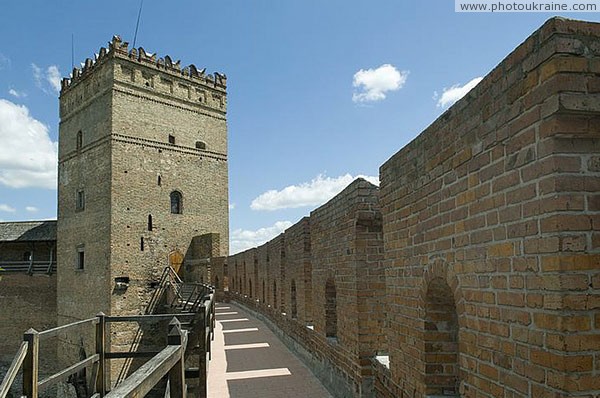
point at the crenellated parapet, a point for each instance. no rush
(120, 49)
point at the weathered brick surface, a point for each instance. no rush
(341, 242)
(148, 129)
(298, 272)
(491, 244)
(487, 214)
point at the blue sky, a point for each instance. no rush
(319, 91)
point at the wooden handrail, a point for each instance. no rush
(170, 360)
(148, 375)
(9, 378)
(46, 334)
(199, 317)
(65, 373)
(147, 318)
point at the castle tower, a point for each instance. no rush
(142, 170)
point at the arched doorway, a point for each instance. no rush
(175, 261)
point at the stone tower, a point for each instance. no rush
(142, 171)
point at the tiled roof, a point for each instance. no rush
(28, 231)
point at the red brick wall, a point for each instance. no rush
(298, 268)
(346, 248)
(483, 261)
(341, 241)
(496, 204)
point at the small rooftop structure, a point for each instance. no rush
(28, 231)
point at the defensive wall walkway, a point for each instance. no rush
(248, 360)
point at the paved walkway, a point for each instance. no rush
(248, 360)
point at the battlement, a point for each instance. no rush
(118, 48)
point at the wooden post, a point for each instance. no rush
(101, 351)
(30, 269)
(177, 372)
(212, 315)
(31, 364)
(49, 270)
(202, 379)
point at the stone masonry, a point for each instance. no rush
(323, 282)
(473, 271)
(142, 171)
(487, 226)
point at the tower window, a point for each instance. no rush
(149, 222)
(79, 140)
(176, 202)
(200, 145)
(142, 243)
(159, 180)
(80, 262)
(171, 139)
(80, 204)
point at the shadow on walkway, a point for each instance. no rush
(248, 360)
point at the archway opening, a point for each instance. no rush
(441, 340)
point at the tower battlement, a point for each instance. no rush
(119, 48)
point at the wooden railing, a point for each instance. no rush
(170, 361)
(29, 267)
(9, 378)
(199, 319)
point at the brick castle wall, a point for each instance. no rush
(486, 226)
(490, 221)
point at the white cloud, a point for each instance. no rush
(454, 93)
(28, 157)
(53, 77)
(32, 209)
(372, 84)
(50, 77)
(17, 94)
(7, 208)
(313, 193)
(242, 239)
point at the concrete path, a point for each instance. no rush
(248, 360)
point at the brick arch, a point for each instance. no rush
(440, 308)
(440, 268)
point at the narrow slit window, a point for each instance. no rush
(79, 140)
(80, 204)
(142, 243)
(149, 222)
(171, 139)
(80, 261)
